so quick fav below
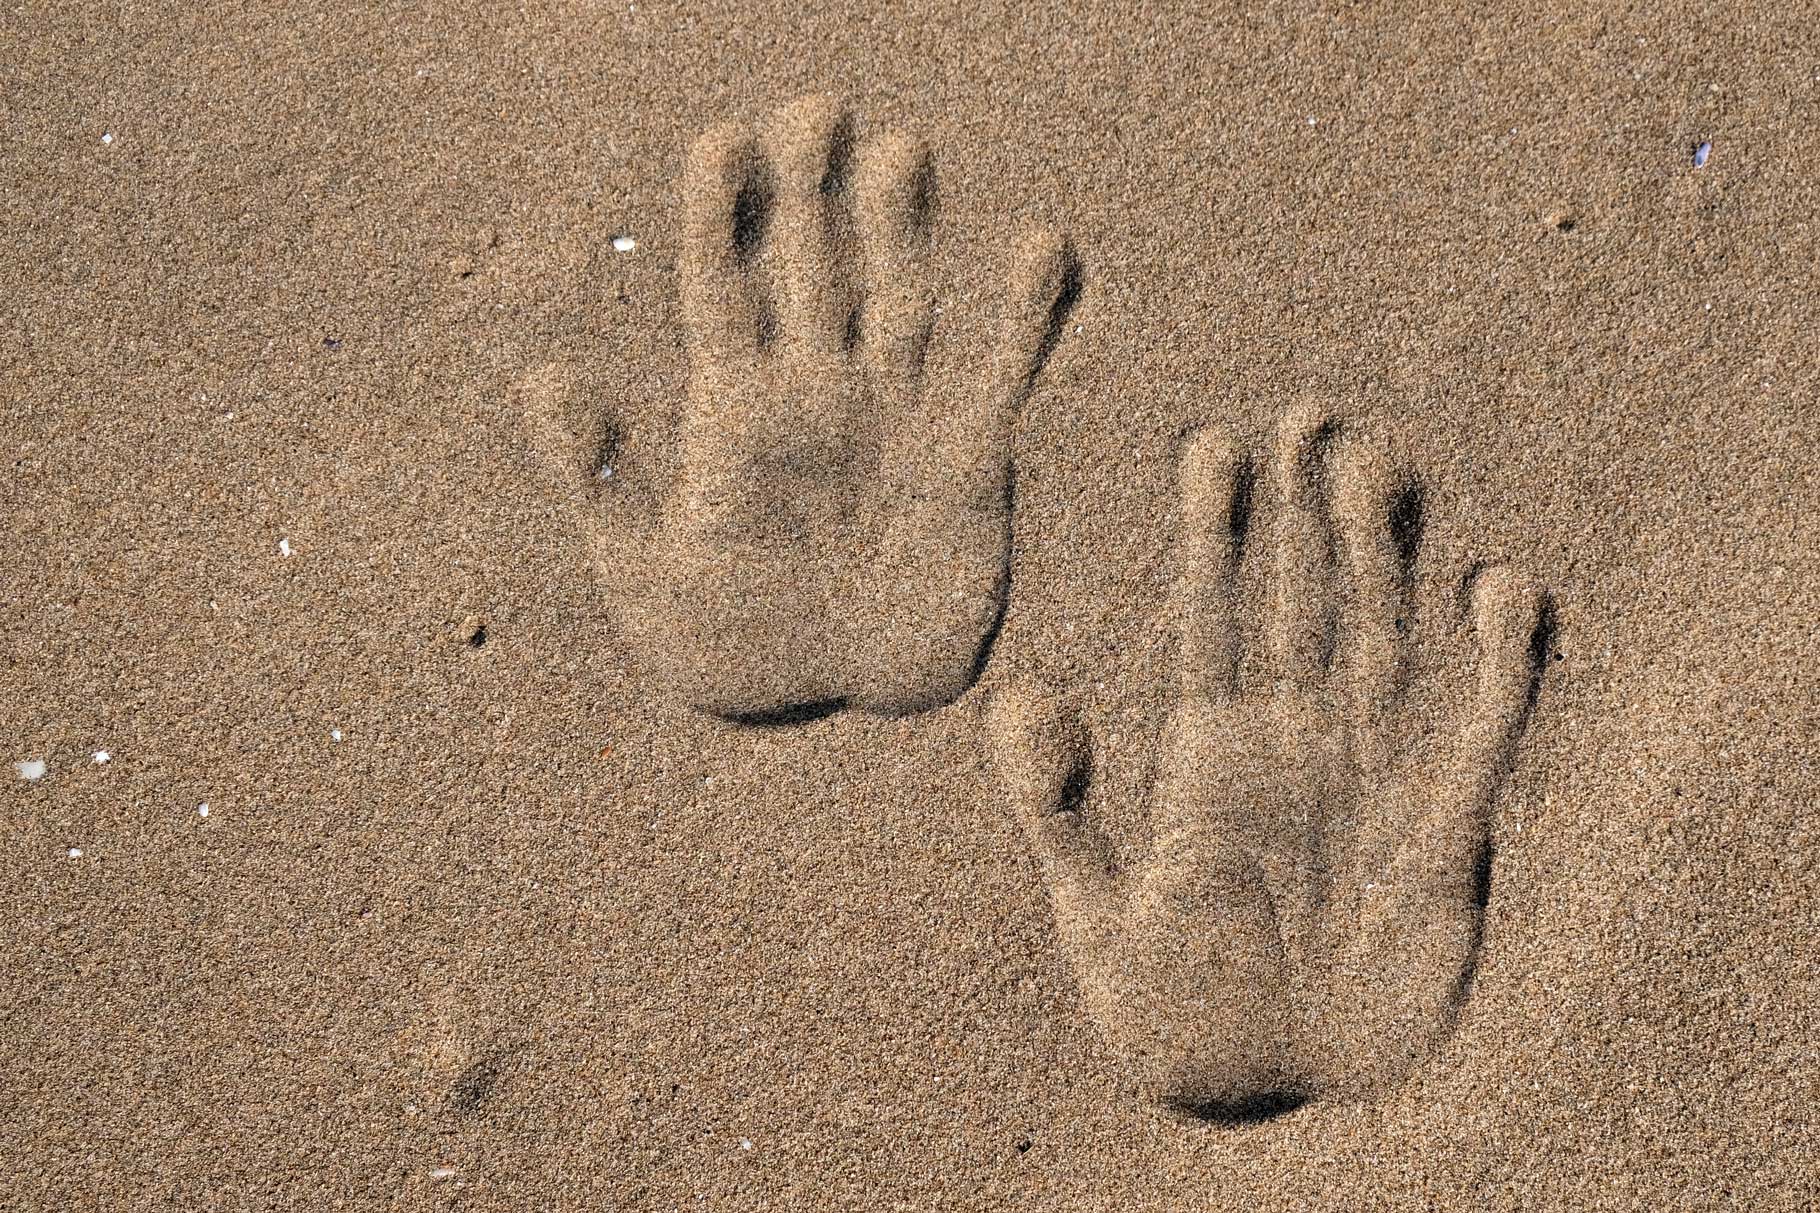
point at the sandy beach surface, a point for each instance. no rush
(1032, 430)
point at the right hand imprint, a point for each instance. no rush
(1309, 916)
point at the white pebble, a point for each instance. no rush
(75, 852)
(1701, 153)
(745, 1143)
(108, 138)
(284, 547)
(202, 810)
(334, 734)
(32, 769)
(101, 757)
(624, 244)
(442, 1173)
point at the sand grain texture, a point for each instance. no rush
(486, 914)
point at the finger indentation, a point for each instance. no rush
(1043, 758)
(1302, 622)
(573, 442)
(811, 146)
(727, 203)
(1216, 485)
(1442, 858)
(1046, 283)
(972, 464)
(1514, 621)
(1377, 517)
(1423, 918)
(578, 444)
(896, 208)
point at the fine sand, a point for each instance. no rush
(657, 607)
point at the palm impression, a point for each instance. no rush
(1309, 914)
(839, 532)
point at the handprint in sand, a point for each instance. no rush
(839, 530)
(1308, 917)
